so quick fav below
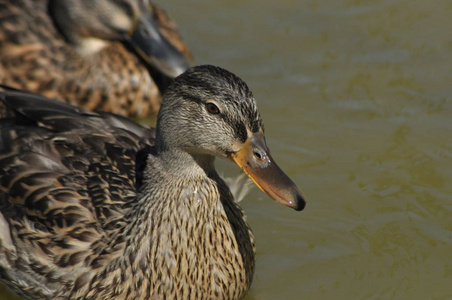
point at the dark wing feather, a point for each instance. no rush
(66, 178)
(83, 151)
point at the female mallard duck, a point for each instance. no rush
(112, 55)
(94, 206)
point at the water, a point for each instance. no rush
(356, 99)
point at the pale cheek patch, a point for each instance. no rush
(92, 45)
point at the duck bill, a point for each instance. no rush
(155, 49)
(255, 160)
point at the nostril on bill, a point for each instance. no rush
(258, 155)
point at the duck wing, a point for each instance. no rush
(67, 178)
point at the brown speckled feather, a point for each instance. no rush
(65, 188)
(36, 56)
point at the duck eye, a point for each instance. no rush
(212, 108)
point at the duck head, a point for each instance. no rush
(91, 25)
(208, 111)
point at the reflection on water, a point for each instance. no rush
(355, 95)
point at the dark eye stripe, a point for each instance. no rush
(240, 131)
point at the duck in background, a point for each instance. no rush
(111, 55)
(95, 206)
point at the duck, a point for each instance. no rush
(96, 206)
(110, 55)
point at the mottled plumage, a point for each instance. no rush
(109, 55)
(94, 206)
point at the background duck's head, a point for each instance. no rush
(208, 111)
(91, 25)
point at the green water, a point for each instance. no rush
(356, 99)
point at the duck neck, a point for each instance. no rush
(186, 165)
(178, 185)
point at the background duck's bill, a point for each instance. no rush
(155, 49)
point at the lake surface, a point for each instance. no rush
(356, 100)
